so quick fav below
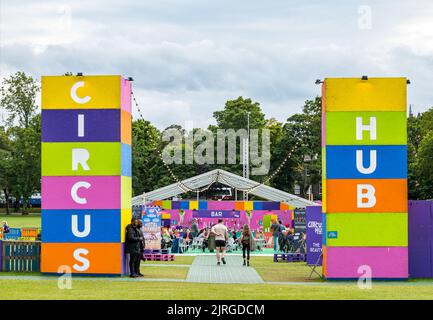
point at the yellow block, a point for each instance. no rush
(193, 205)
(86, 92)
(248, 205)
(126, 215)
(126, 185)
(374, 94)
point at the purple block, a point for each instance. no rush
(100, 125)
(420, 239)
(269, 205)
(314, 234)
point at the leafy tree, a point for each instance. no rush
(305, 130)
(424, 164)
(18, 95)
(21, 162)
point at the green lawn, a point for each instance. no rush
(133, 290)
(282, 271)
(164, 272)
(17, 220)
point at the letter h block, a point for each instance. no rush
(86, 173)
(364, 177)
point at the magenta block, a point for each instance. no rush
(103, 193)
(385, 262)
(221, 205)
(125, 95)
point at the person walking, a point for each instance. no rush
(221, 235)
(248, 244)
(133, 240)
(275, 228)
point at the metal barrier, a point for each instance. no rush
(20, 256)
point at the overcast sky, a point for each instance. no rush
(189, 57)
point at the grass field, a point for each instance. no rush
(33, 286)
(17, 220)
(283, 281)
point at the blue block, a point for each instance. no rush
(126, 160)
(391, 162)
(104, 226)
(202, 205)
(258, 205)
(184, 205)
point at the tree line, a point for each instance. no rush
(20, 152)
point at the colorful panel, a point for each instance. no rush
(81, 159)
(373, 195)
(86, 258)
(367, 230)
(81, 225)
(366, 162)
(355, 94)
(384, 262)
(341, 128)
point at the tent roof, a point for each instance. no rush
(226, 178)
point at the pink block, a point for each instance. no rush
(103, 193)
(221, 205)
(385, 262)
(125, 95)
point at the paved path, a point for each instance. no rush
(204, 269)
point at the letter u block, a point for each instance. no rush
(86, 173)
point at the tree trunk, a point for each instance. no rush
(5, 190)
(25, 210)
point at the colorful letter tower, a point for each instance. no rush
(86, 173)
(364, 178)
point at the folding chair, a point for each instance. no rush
(314, 266)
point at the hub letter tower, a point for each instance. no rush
(364, 178)
(86, 173)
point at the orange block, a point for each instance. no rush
(324, 261)
(342, 195)
(126, 127)
(85, 258)
(239, 205)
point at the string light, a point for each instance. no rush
(185, 188)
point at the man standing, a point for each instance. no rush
(142, 246)
(275, 228)
(221, 234)
(132, 244)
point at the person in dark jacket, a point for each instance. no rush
(133, 240)
(142, 244)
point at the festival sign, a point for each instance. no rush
(364, 177)
(226, 214)
(151, 218)
(314, 234)
(86, 173)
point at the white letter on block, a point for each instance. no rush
(361, 127)
(74, 95)
(74, 191)
(85, 262)
(81, 125)
(80, 156)
(360, 162)
(366, 191)
(74, 226)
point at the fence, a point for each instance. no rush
(20, 256)
(22, 234)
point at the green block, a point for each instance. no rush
(390, 128)
(104, 159)
(368, 229)
(166, 204)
